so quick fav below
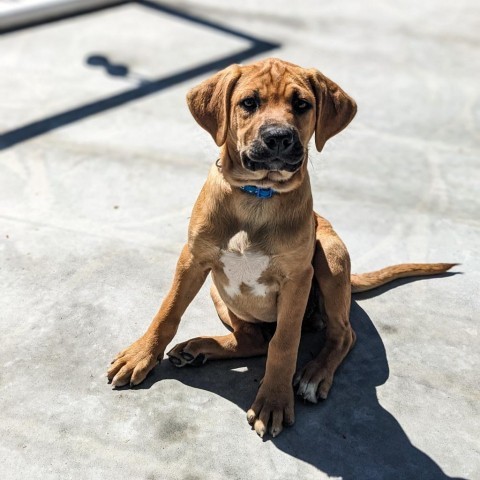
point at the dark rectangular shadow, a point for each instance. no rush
(47, 124)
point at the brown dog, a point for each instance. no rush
(254, 229)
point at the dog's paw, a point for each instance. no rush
(313, 382)
(132, 365)
(192, 352)
(272, 409)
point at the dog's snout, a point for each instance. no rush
(278, 139)
(277, 147)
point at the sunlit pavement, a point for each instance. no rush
(100, 164)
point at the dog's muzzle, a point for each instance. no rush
(276, 148)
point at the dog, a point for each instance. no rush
(253, 228)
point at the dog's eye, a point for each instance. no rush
(301, 106)
(249, 103)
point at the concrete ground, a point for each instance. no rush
(99, 168)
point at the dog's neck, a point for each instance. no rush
(289, 208)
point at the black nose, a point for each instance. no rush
(278, 139)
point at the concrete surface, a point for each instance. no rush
(15, 13)
(93, 214)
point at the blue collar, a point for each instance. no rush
(259, 192)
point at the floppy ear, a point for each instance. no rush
(209, 102)
(335, 109)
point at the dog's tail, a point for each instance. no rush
(366, 281)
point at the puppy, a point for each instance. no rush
(254, 230)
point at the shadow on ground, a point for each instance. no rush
(146, 87)
(350, 435)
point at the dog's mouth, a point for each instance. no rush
(277, 148)
(272, 164)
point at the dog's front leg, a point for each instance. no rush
(274, 404)
(133, 364)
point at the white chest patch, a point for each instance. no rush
(242, 266)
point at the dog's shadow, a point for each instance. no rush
(350, 435)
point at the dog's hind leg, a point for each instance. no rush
(331, 264)
(246, 340)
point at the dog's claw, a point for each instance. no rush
(198, 360)
(187, 356)
(181, 359)
(176, 361)
(314, 382)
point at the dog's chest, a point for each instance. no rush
(243, 267)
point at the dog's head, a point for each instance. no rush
(264, 116)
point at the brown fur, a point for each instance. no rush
(297, 246)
